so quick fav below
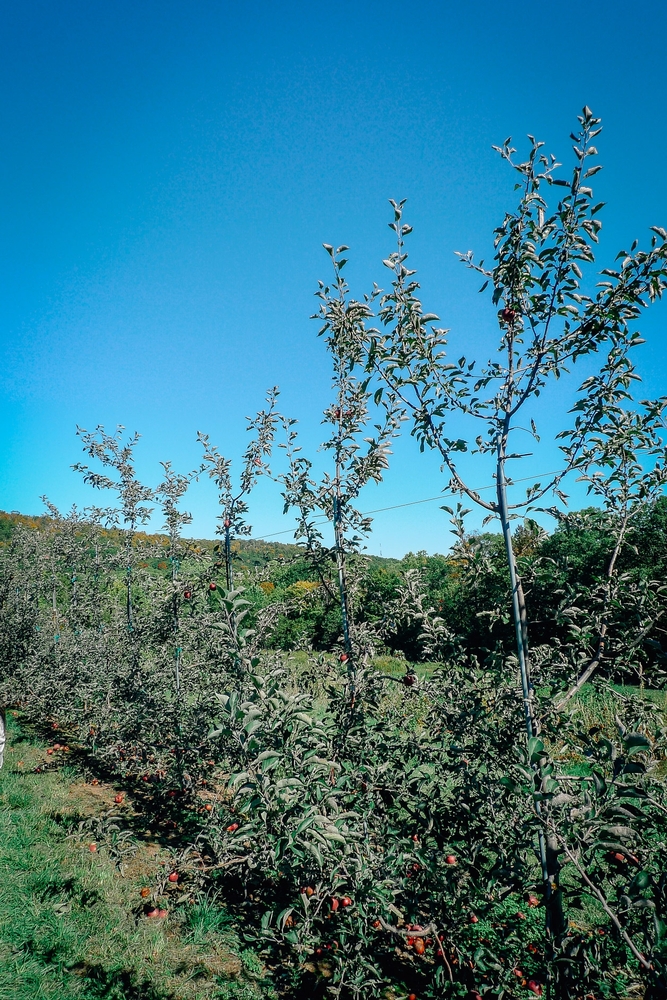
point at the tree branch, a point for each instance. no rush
(606, 907)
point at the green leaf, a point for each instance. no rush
(270, 762)
(640, 881)
(330, 835)
(283, 915)
(638, 741)
(315, 851)
(304, 824)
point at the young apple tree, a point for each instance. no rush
(551, 320)
(359, 453)
(234, 501)
(118, 457)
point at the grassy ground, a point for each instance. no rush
(73, 923)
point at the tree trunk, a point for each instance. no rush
(548, 849)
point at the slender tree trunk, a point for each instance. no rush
(518, 602)
(54, 611)
(548, 848)
(177, 661)
(342, 578)
(174, 617)
(340, 566)
(229, 573)
(128, 584)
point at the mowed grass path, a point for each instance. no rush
(72, 923)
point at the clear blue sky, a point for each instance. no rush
(170, 171)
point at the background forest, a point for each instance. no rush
(467, 589)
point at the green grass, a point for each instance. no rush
(599, 705)
(72, 925)
(395, 666)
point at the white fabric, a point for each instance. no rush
(2, 736)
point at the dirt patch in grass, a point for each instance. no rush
(73, 921)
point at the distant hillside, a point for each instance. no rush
(250, 552)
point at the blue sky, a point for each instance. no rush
(170, 171)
